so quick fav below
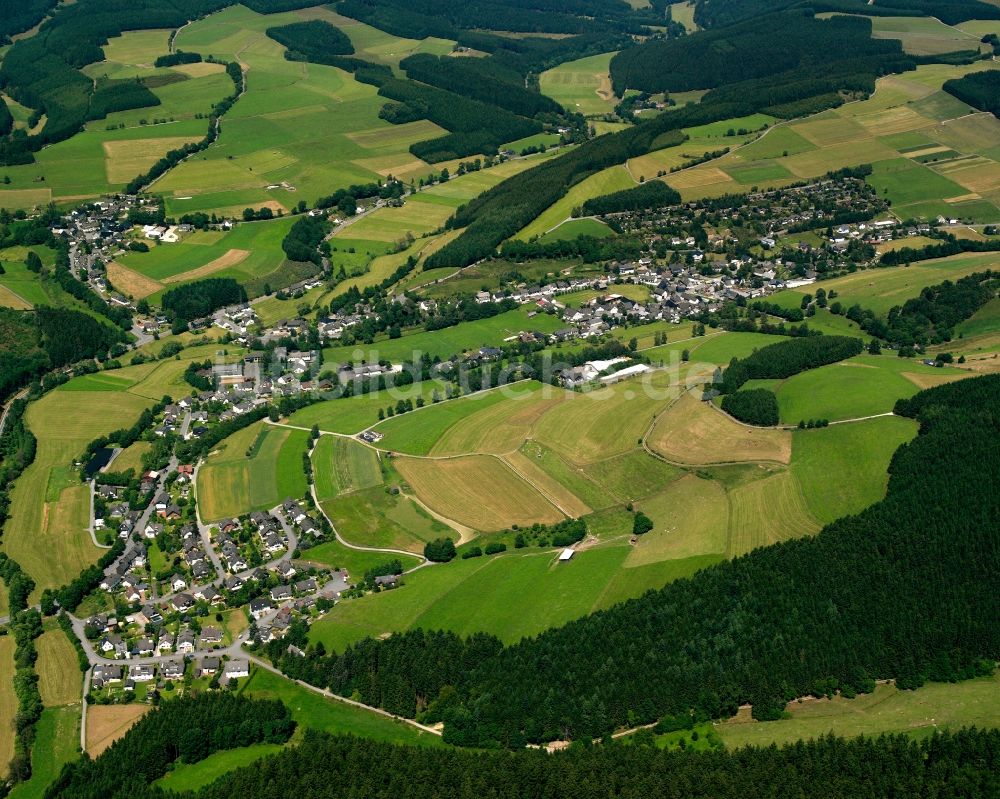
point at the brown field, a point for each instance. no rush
(694, 178)
(692, 432)
(25, 198)
(929, 380)
(8, 299)
(479, 491)
(832, 129)
(979, 177)
(107, 723)
(230, 258)
(131, 283)
(126, 159)
(59, 678)
(199, 70)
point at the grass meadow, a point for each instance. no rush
(582, 86)
(8, 703)
(57, 742)
(231, 484)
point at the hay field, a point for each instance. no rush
(50, 539)
(342, 465)
(582, 86)
(691, 432)
(59, 676)
(230, 483)
(604, 182)
(479, 491)
(690, 518)
(227, 259)
(353, 414)
(553, 490)
(131, 283)
(126, 159)
(8, 703)
(498, 428)
(57, 742)
(107, 723)
(767, 511)
(374, 517)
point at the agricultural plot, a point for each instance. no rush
(766, 511)
(353, 414)
(59, 676)
(448, 341)
(355, 561)
(342, 465)
(478, 491)
(8, 703)
(931, 153)
(253, 469)
(250, 252)
(574, 228)
(301, 130)
(57, 740)
(843, 469)
(693, 432)
(923, 35)
(690, 518)
(374, 517)
(49, 538)
(931, 708)
(582, 86)
(107, 723)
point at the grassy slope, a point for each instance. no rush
(57, 741)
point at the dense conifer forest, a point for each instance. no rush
(787, 358)
(654, 194)
(756, 406)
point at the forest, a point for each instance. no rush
(905, 589)
(187, 730)
(314, 39)
(200, 297)
(654, 194)
(706, 59)
(17, 16)
(756, 406)
(176, 58)
(980, 90)
(303, 240)
(482, 79)
(787, 358)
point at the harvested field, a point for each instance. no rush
(558, 494)
(131, 283)
(478, 491)
(929, 381)
(689, 518)
(496, 429)
(130, 157)
(229, 258)
(767, 511)
(107, 723)
(692, 432)
(59, 676)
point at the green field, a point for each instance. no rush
(606, 181)
(328, 715)
(8, 703)
(448, 341)
(582, 86)
(844, 468)
(341, 465)
(919, 713)
(376, 518)
(192, 776)
(350, 415)
(231, 484)
(578, 227)
(57, 742)
(357, 562)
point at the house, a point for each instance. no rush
(178, 583)
(172, 669)
(106, 673)
(306, 586)
(281, 592)
(386, 580)
(210, 636)
(208, 665)
(259, 607)
(185, 642)
(141, 673)
(236, 668)
(182, 602)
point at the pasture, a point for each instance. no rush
(606, 181)
(357, 562)
(230, 483)
(192, 776)
(341, 465)
(57, 742)
(582, 86)
(690, 518)
(919, 713)
(574, 228)
(374, 517)
(843, 469)
(349, 415)
(766, 511)
(692, 432)
(448, 341)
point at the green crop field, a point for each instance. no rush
(844, 468)
(8, 703)
(341, 465)
(448, 341)
(59, 676)
(582, 86)
(919, 713)
(230, 483)
(578, 227)
(328, 715)
(374, 517)
(57, 742)
(353, 414)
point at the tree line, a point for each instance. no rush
(756, 406)
(787, 358)
(654, 194)
(201, 297)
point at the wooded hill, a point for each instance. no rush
(907, 589)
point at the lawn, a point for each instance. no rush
(448, 341)
(919, 713)
(328, 715)
(57, 742)
(231, 484)
(844, 468)
(582, 86)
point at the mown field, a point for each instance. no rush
(582, 86)
(57, 742)
(232, 482)
(8, 703)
